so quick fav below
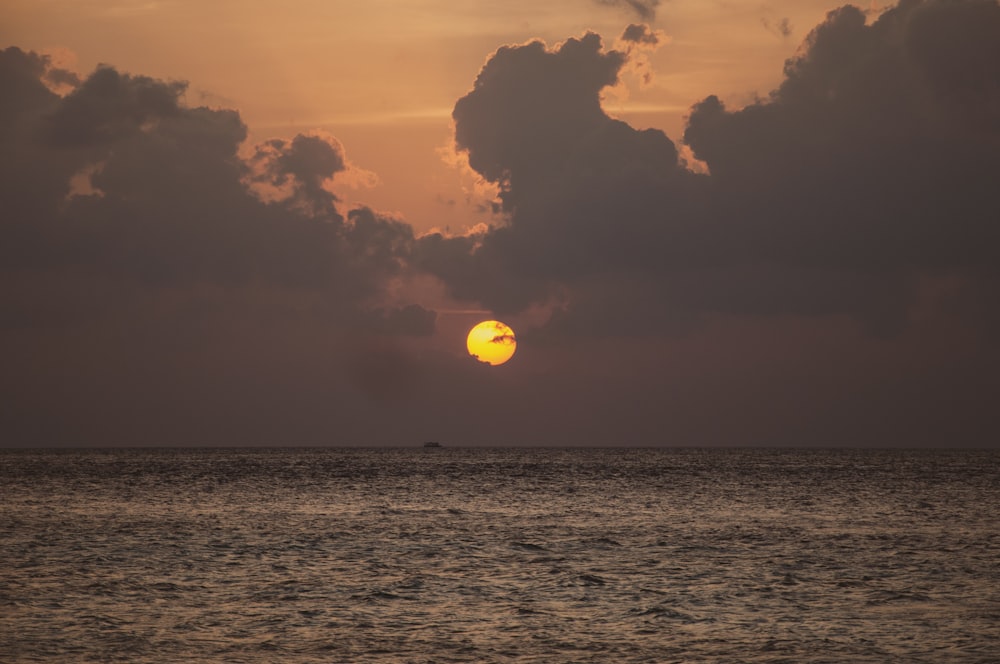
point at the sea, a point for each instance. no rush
(499, 555)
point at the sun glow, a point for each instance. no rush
(491, 342)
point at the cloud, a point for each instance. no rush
(641, 34)
(21, 74)
(870, 166)
(110, 106)
(864, 156)
(298, 169)
(530, 106)
(174, 206)
(62, 78)
(639, 41)
(168, 266)
(568, 175)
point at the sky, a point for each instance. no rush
(731, 223)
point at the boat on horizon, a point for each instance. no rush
(432, 443)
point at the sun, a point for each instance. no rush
(491, 342)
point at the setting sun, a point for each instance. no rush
(491, 342)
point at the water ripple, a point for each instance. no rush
(499, 555)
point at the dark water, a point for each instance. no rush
(456, 555)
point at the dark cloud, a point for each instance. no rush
(862, 158)
(62, 77)
(872, 164)
(169, 274)
(172, 203)
(571, 178)
(303, 164)
(530, 107)
(640, 33)
(111, 106)
(21, 74)
(33, 181)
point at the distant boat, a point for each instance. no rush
(432, 443)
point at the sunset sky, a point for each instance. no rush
(709, 223)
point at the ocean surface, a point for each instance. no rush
(500, 555)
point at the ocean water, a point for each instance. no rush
(503, 555)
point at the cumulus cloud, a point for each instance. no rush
(570, 177)
(167, 265)
(864, 156)
(872, 164)
(174, 206)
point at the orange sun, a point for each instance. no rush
(491, 342)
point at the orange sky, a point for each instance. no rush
(382, 75)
